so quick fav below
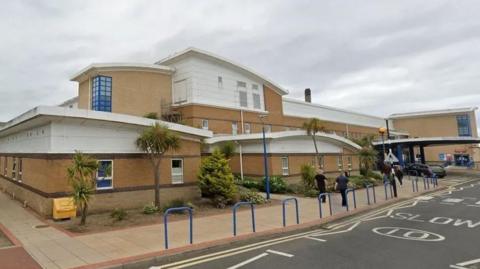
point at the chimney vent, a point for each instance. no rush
(308, 95)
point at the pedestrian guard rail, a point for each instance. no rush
(389, 185)
(284, 203)
(367, 189)
(415, 184)
(351, 190)
(177, 209)
(234, 211)
(320, 196)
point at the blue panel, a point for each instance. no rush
(102, 93)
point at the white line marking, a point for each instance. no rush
(446, 203)
(280, 253)
(452, 200)
(469, 262)
(425, 198)
(314, 238)
(457, 267)
(248, 261)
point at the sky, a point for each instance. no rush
(376, 57)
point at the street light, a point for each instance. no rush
(265, 164)
(382, 131)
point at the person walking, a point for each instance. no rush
(342, 185)
(320, 179)
(399, 174)
(388, 177)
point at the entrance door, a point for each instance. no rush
(461, 159)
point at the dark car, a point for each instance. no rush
(417, 169)
(438, 170)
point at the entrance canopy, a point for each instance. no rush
(430, 141)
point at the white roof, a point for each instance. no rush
(276, 135)
(120, 67)
(65, 112)
(433, 140)
(432, 112)
(69, 101)
(194, 51)
(299, 108)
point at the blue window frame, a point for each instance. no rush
(105, 174)
(463, 125)
(102, 93)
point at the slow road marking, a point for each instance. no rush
(408, 234)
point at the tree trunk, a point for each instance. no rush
(317, 158)
(84, 210)
(157, 184)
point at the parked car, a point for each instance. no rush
(438, 170)
(417, 169)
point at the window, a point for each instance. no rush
(180, 91)
(254, 87)
(241, 84)
(177, 171)
(243, 99)
(256, 101)
(102, 93)
(105, 174)
(349, 160)
(246, 128)
(20, 169)
(268, 128)
(285, 166)
(220, 82)
(339, 162)
(463, 125)
(234, 128)
(14, 168)
(5, 165)
(205, 124)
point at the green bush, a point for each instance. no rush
(311, 193)
(150, 209)
(295, 188)
(308, 176)
(179, 202)
(247, 195)
(118, 214)
(228, 149)
(375, 175)
(251, 184)
(216, 180)
(360, 181)
(277, 185)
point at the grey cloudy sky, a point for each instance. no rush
(377, 57)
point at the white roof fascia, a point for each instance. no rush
(69, 101)
(432, 112)
(424, 139)
(120, 67)
(276, 135)
(102, 116)
(175, 56)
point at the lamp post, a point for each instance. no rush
(382, 131)
(265, 163)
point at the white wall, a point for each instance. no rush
(203, 85)
(307, 110)
(33, 140)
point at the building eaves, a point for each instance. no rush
(432, 112)
(120, 67)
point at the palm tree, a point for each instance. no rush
(314, 126)
(81, 176)
(367, 155)
(155, 141)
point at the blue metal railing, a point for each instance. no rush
(234, 209)
(352, 190)
(390, 187)
(284, 202)
(165, 222)
(320, 196)
(367, 188)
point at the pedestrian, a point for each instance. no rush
(387, 171)
(342, 185)
(399, 174)
(320, 178)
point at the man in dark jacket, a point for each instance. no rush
(342, 185)
(321, 184)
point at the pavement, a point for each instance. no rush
(436, 230)
(53, 248)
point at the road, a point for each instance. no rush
(440, 230)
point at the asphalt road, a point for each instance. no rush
(441, 230)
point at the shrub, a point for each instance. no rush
(295, 188)
(151, 115)
(150, 209)
(308, 176)
(311, 193)
(251, 184)
(216, 179)
(251, 196)
(374, 175)
(228, 149)
(277, 185)
(118, 214)
(179, 202)
(360, 181)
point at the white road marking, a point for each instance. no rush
(477, 203)
(248, 261)
(408, 234)
(279, 253)
(462, 265)
(452, 200)
(425, 198)
(314, 238)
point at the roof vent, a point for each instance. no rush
(308, 95)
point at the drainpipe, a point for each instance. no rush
(241, 122)
(241, 158)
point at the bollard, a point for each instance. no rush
(426, 184)
(352, 190)
(385, 187)
(415, 184)
(235, 206)
(165, 222)
(284, 201)
(320, 202)
(367, 187)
